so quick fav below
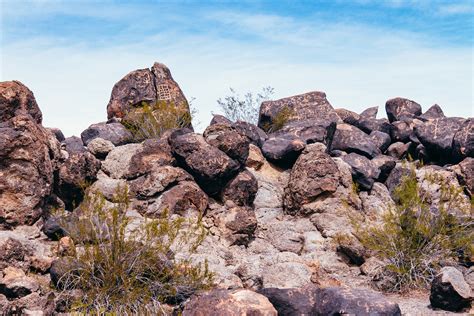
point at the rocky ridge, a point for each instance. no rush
(274, 203)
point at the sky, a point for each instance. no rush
(361, 52)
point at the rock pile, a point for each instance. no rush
(274, 203)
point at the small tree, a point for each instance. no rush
(244, 108)
(416, 238)
(131, 269)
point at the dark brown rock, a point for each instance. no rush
(401, 130)
(311, 105)
(463, 141)
(370, 112)
(466, 174)
(73, 145)
(384, 164)
(347, 116)
(351, 139)
(396, 176)
(368, 125)
(229, 140)
(13, 253)
(241, 190)
(341, 301)
(73, 175)
(17, 99)
(292, 302)
(220, 119)
(314, 174)
(57, 133)
(210, 167)
(114, 132)
(398, 108)
(154, 153)
(432, 113)
(62, 266)
(236, 302)
(309, 131)
(239, 224)
(364, 172)
(450, 291)
(254, 133)
(381, 140)
(398, 150)
(283, 151)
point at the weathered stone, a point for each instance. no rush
(347, 116)
(283, 150)
(314, 174)
(398, 150)
(228, 140)
(466, 174)
(100, 147)
(107, 186)
(15, 283)
(401, 130)
(370, 112)
(255, 159)
(384, 164)
(311, 105)
(449, 290)
(12, 252)
(381, 140)
(118, 161)
(66, 247)
(398, 108)
(352, 249)
(73, 145)
(364, 172)
(153, 153)
(437, 136)
(57, 133)
(220, 119)
(337, 301)
(351, 139)
(368, 125)
(113, 132)
(432, 113)
(78, 170)
(254, 133)
(53, 228)
(230, 303)
(372, 267)
(309, 131)
(241, 190)
(396, 176)
(238, 224)
(292, 302)
(209, 166)
(463, 141)
(16, 99)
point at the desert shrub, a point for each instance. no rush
(150, 121)
(279, 120)
(236, 107)
(130, 268)
(415, 238)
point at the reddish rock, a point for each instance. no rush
(229, 140)
(241, 190)
(16, 99)
(351, 139)
(463, 141)
(370, 112)
(238, 224)
(398, 108)
(432, 113)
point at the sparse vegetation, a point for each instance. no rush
(280, 119)
(150, 121)
(126, 268)
(244, 108)
(416, 238)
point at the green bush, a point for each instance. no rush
(150, 121)
(415, 239)
(127, 268)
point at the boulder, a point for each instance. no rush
(73, 145)
(54, 228)
(309, 131)
(210, 167)
(241, 190)
(450, 291)
(398, 108)
(343, 301)
(16, 99)
(370, 112)
(100, 147)
(230, 303)
(434, 112)
(381, 140)
(62, 267)
(255, 159)
(13, 252)
(401, 130)
(351, 139)
(384, 164)
(15, 283)
(463, 141)
(292, 302)
(57, 133)
(113, 132)
(400, 171)
(228, 140)
(220, 119)
(238, 225)
(437, 136)
(364, 172)
(368, 125)
(283, 150)
(73, 175)
(145, 85)
(466, 174)
(347, 116)
(314, 174)
(398, 150)
(311, 105)
(153, 153)
(254, 133)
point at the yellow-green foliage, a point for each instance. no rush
(150, 121)
(414, 239)
(279, 120)
(131, 269)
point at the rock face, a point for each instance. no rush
(312, 105)
(450, 291)
(401, 108)
(145, 85)
(113, 132)
(28, 155)
(210, 167)
(351, 139)
(229, 302)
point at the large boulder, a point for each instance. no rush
(450, 291)
(210, 167)
(463, 141)
(432, 113)
(437, 136)
(344, 301)
(145, 85)
(364, 171)
(381, 140)
(398, 108)
(292, 302)
(349, 138)
(254, 133)
(114, 132)
(241, 190)
(311, 105)
(28, 154)
(314, 174)
(73, 144)
(283, 150)
(236, 302)
(368, 125)
(228, 140)
(370, 112)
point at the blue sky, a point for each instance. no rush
(361, 53)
